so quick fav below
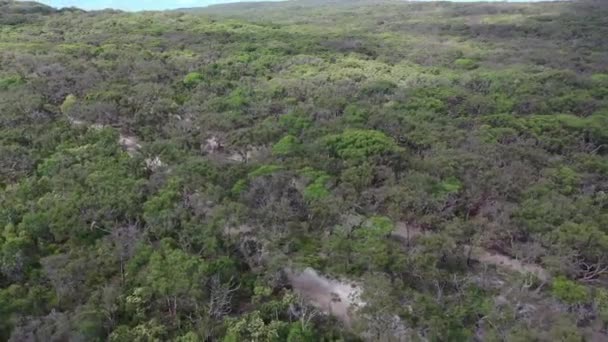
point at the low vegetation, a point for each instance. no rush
(167, 175)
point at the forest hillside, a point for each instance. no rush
(305, 171)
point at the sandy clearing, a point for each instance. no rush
(407, 232)
(129, 143)
(334, 297)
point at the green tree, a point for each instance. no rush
(176, 277)
(298, 333)
(252, 327)
(371, 244)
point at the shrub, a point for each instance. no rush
(287, 145)
(10, 81)
(317, 190)
(600, 80)
(355, 115)
(68, 103)
(568, 291)
(466, 64)
(381, 87)
(294, 123)
(359, 144)
(567, 179)
(448, 186)
(265, 170)
(192, 79)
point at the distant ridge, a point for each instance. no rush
(245, 5)
(19, 12)
(24, 7)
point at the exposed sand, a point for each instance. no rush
(334, 297)
(154, 164)
(248, 155)
(407, 232)
(129, 143)
(500, 260)
(76, 122)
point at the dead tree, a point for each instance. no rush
(220, 301)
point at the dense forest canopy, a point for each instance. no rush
(305, 171)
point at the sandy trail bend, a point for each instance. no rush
(500, 260)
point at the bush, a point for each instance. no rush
(317, 189)
(381, 87)
(294, 123)
(286, 146)
(449, 185)
(569, 292)
(265, 170)
(466, 64)
(10, 81)
(192, 79)
(68, 103)
(358, 144)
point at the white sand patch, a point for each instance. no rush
(129, 143)
(212, 145)
(76, 122)
(216, 151)
(236, 157)
(97, 126)
(407, 232)
(154, 164)
(335, 297)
